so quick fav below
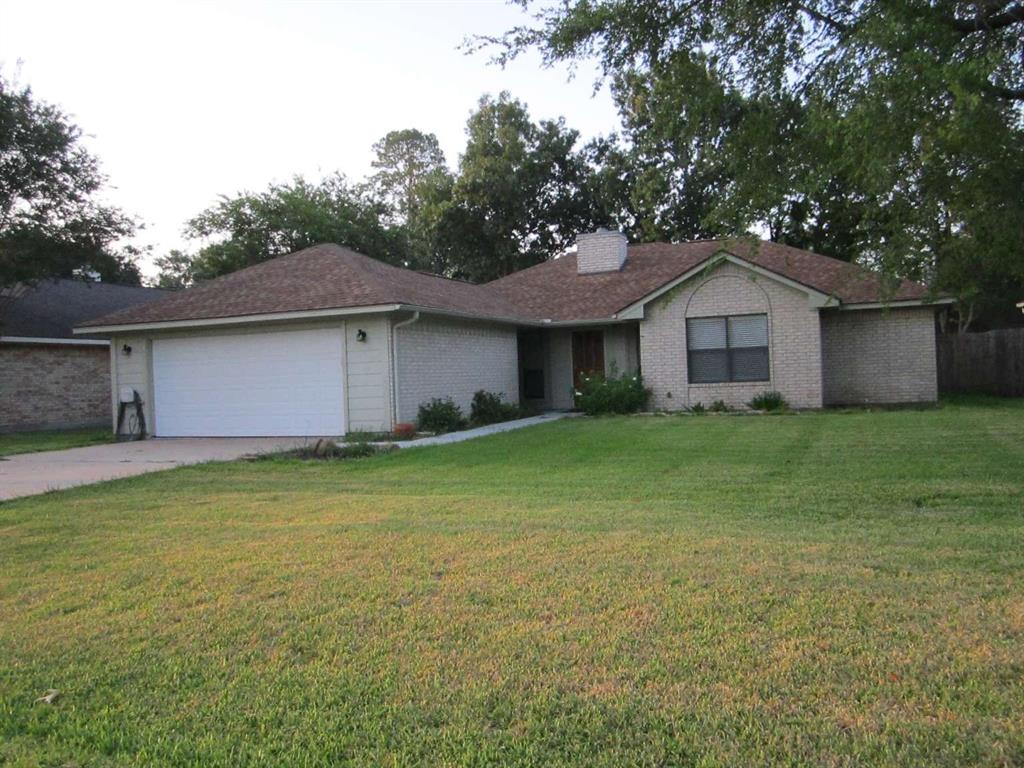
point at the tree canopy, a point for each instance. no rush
(891, 133)
(522, 194)
(52, 222)
(251, 227)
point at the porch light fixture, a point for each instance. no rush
(360, 335)
(126, 349)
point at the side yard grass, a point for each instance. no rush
(53, 440)
(814, 589)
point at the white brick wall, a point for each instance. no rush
(879, 356)
(600, 251)
(449, 358)
(794, 338)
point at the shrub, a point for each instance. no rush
(489, 408)
(720, 406)
(769, 401)
(440, 416)
(697, 409)
(612, 394)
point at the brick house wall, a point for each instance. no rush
(449, 358)
(50, 386)
(794, 339)
(879, 356)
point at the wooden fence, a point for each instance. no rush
(990, 362)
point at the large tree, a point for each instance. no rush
(52, 223)
(410, 172)
(889, 133)
(522, 194)
(402, 159)
(255, 226)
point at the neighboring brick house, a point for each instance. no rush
(326, 340)
(50, 379)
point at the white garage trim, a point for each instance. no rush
(266, 384)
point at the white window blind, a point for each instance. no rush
(707, 333)
(748, 331)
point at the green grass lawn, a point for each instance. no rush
(53, 440)
(815, 589)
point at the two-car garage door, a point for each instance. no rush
(279, 383)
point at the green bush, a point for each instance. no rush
(489, 408)
(769, 401)
(612, 394)
(720, 406)
(697, 409)
(440, 416)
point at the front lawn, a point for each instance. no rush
(814, 589)
(53, 440)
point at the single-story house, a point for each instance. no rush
(50, 378)
(325, 340)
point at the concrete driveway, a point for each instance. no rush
(27, 474)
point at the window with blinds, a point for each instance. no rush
(722, 349)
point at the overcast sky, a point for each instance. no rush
(186, 101)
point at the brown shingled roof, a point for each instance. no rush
(554, 290)
(320, 277)
(332, 277)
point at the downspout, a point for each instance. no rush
(394, 365)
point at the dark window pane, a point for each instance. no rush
(705, 333)
(709, 366)
(750, 364)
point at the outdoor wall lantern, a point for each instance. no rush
(126, 349)
(360, 335)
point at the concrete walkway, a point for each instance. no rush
(490, 429)
(27, 474)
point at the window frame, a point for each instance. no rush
(728, 350)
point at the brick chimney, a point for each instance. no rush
(601, 251)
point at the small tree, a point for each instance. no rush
(51, 221)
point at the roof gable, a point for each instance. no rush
(816, 298)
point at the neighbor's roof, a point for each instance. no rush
(51, 308)
(331, 277)
(555, 290)
(321, 277)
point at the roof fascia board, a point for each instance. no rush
(465, 315)
(898, 304)
(614, 320)
(817, 299)
(55, 342)
(268, 317)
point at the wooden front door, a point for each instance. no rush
(587, 355)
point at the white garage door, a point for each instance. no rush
(279, 383)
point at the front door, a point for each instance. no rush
(587, 355)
